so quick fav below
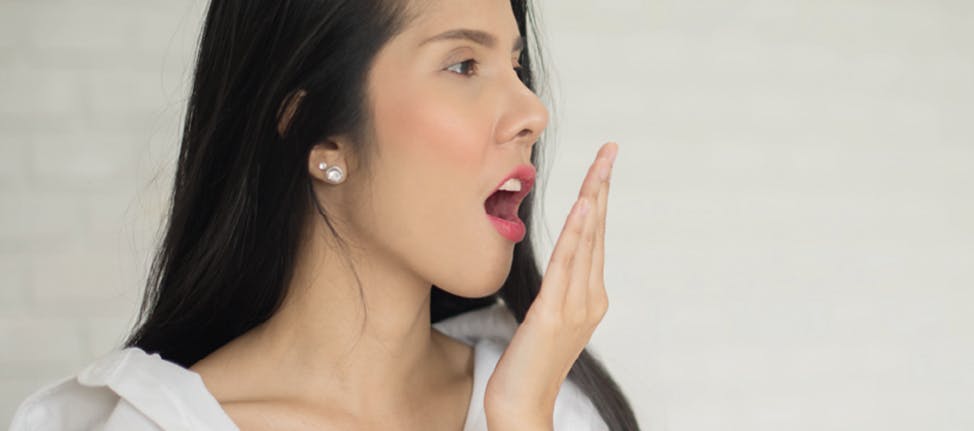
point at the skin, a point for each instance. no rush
(446, 134)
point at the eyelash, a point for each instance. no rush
(474, 63)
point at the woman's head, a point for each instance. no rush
(448, 119)
(423, 131)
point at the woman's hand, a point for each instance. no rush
(522, 390)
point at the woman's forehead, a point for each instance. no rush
(490, 23)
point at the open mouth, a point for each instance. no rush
(503, 204)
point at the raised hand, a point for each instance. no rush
(522, 390)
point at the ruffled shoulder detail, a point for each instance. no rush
(124, 390)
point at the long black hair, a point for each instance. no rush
(242, 190)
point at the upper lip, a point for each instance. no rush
(524, 173)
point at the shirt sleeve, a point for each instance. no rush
(64, 405)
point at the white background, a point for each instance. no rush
(790, 238)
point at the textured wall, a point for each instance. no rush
(790, 242)
(90, 101)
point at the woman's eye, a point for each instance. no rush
(470, 61)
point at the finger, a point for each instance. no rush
(590, 185)
(576, 295)
(596, 284)
(558, 272)
(556, 275)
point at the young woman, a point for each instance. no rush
(345, 247)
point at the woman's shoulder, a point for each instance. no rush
(125, 389)
(490, 330)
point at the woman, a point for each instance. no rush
(345, 247)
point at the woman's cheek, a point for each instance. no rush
(452, 136)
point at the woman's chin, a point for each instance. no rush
(480, 284)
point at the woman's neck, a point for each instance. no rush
(369, 353)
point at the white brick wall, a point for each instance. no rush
(790, 237)
(90, 101)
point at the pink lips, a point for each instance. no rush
(514, 230)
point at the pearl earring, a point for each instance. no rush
(333, 174)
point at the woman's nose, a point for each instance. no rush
(525, 116)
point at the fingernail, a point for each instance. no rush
(612, 157)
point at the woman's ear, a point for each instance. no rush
(287, 109)
(326, 156)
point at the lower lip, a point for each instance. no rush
(511, 229)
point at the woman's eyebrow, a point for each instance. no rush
(476, 36)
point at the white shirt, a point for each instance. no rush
(130, 390)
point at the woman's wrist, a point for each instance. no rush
(512, 422)
(516, 427)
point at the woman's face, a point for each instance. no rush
(447, 132)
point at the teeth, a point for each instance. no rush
(511, 185)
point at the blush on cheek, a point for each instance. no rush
(448, 139)
(435, 142)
